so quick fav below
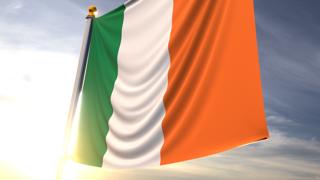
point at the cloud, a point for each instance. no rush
(280, 157)
(281, 120)
(37, 39)
(289, 46)
(45, 25)
(13, 7)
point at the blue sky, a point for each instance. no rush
(39, 46)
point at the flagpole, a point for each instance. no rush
(77, 88)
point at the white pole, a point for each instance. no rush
(77, 88)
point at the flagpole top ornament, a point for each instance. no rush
(92, 11)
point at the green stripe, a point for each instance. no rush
(101, 73)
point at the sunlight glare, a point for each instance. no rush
(34, 101)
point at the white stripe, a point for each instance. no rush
(135, 134)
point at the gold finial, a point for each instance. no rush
(92, 11)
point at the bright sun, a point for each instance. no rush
(35, 93)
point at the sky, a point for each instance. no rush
(40, 43)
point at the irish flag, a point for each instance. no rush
(168, 81)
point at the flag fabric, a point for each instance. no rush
(168, 81)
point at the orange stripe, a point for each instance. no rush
(214, 99)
